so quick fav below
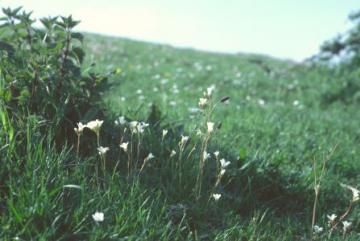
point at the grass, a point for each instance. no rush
(277, 123)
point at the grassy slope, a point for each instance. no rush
(267, 193)
(279, 133)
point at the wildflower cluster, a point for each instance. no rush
(335, 220)
(221, 170)
(204, 101)
(138, 127)
(207, 105)
(131, 145)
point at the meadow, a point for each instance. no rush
(182, 145)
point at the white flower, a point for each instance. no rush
(210, 126)
(296, 103)
(80, 128)
(124, 146)
(216, 196)
(102, 150)
(346, 226)
(120, 121)
(133, 124)
(173, 153)
(222, 172)
(164, 133)
(138, 127)
(184, 139)
(202, 102)
(332, 217)
(139, 92)
(318, 229)
(95, 125)
(209, 91)
(355, 192)
(224, 163)
(150, 156)
(206, 155)
(217, 153)
(261, 102)
(98, 216)
(141, 126)
(164, 81)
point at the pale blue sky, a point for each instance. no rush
(281, 28)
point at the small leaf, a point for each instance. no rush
(6, 47)
(242, 153)
(15, 11)
(72, 24)
(77, 36)
(79, 54)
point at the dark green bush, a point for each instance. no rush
(342, 53)
(41, 74)
(346, 45)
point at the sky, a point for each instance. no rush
(287, 29)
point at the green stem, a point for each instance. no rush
(78, 147)
(98, 139)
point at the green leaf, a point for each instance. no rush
(48, 22)
(77, 36)
(6, 47)
(79, 54)
(72, 24)
(14, 212)
(15, 11)
(242, 153)
(6, 11)
(6, 95)
(24, 96)
(61, 24)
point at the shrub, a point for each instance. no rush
(344, 51)
(347, 44)
(40, 72)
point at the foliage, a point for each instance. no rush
(343, 52)
(40, 71)
(347, 44)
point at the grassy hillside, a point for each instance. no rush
(278, 110)
(244, 166)
(277, 123)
